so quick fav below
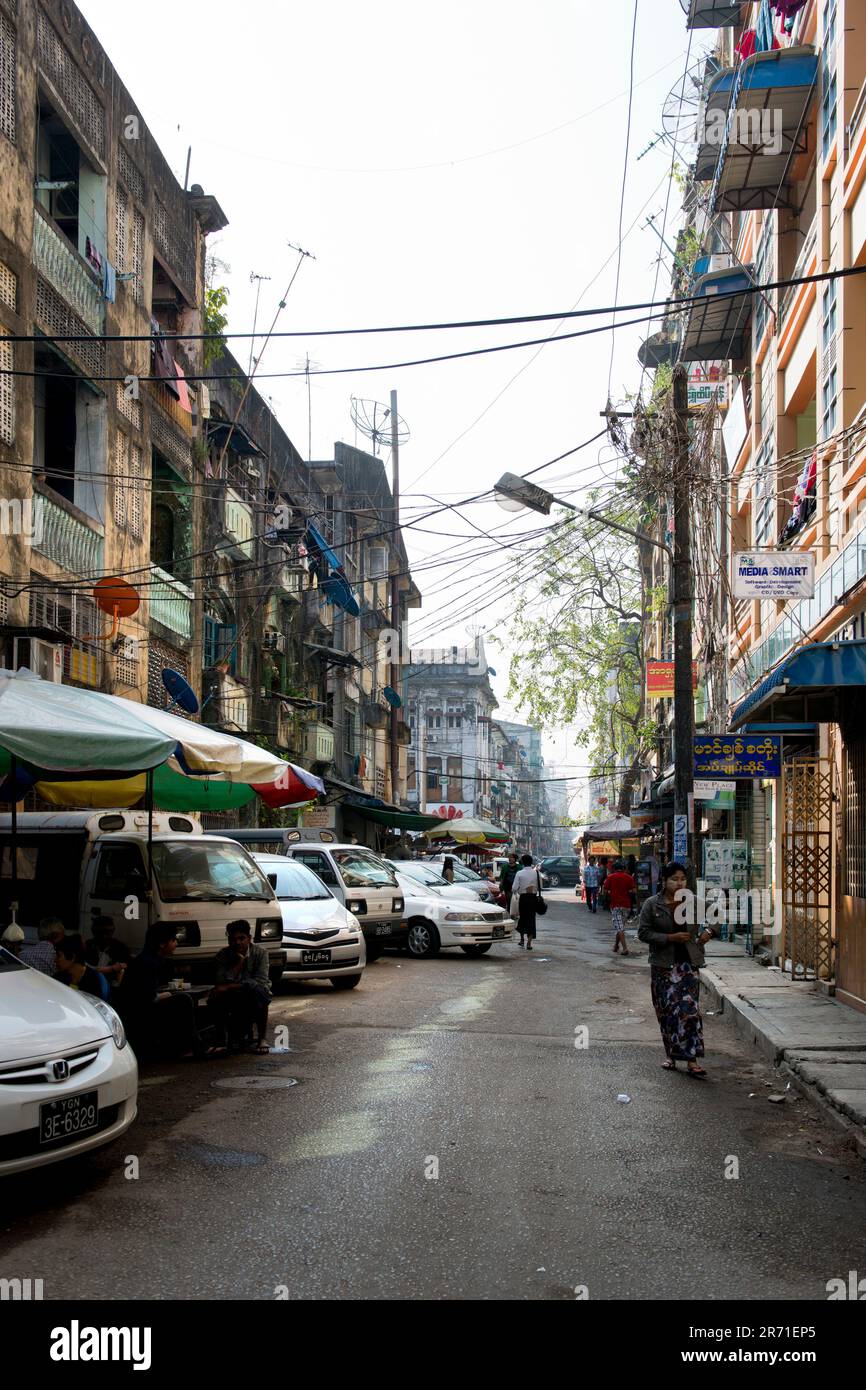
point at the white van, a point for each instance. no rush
(361, 881)
(80, 865)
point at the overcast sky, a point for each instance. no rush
(448, 163)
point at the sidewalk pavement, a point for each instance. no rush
(818, 1041)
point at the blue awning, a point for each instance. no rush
(317, 542)
(717, 321)
(766, 127)
(805, 686)
(712, 14)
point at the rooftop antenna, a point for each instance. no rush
(259, 278)
(310, 366)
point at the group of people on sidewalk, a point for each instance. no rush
(160, 1021)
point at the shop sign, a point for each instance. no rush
(706, 386)
(643, 815)
(660, 679)
(718, 794)
(319, 818)
(778, 574)
(726, 863)
(737, 755)
(681, 838)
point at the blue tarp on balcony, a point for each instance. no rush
(711, 14)
(805, 686)
(716, 325)
(770, 99)
(714, 110)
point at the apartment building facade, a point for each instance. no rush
(451, 705)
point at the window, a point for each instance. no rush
(434, 774)
(765, 501)
(319, 863)
(764, 268)
(349, 726)
(120, 871)
(7, 391)
(7, 78)
(68, 434)
(220, 644)
(829, 376)
(361, 870)
(829, 92)
(162, 536)
(377, 562)
(455, 779)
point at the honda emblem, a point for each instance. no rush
(60, 1069)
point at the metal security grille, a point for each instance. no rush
(7, 78)
(854, 841)
(7, 391)
(130, 173)
(70, 84)
(807, 867)
(56, 319)
(175, 447)
(174, 238)
(129, 407)
(8, 287)
(161, 657)
(120, 225)
(127, 485)
(137, 255)
(4, 605)
(76, 616)
(126, 671)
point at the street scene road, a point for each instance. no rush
(446, 1139)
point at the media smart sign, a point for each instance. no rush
(774, 574)
(737, 755)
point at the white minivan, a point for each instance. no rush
(80, 865)
(363, 883)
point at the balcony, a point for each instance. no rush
(717, 321)
(290, 580)
(374, 715)
(712, 14)
(238, 525)
(171, 407)
(67, 273)
(235, 712)
(171, 603)
(318, 743)
(63, 538)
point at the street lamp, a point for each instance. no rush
(515, 493)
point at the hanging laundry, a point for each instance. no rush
(748, 44)
(109, 281)
(163, 361)
(93, 255)
(788, 10)
(182, 389)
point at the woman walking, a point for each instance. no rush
(527, 886)
(675, 958)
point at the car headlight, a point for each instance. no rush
(359, 907)
(397, 905)
(269, 929)
(464, 917)
(113, 1021)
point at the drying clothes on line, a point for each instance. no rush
(182, 389)
(93, 255)
(163, 361)
(109, 281)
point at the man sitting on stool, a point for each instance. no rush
(242, 993)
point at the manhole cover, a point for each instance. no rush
(256, 1083)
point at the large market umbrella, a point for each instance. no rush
(466, 830)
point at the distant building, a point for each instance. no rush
(450, 704)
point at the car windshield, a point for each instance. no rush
(421, 873)
(466, 875)
(360, 870)
(203, 870)
(294, 882)
(8, 962)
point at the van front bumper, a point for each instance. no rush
(385, 933)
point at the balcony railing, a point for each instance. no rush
(65, 539)
(318, 743)
(63, 268)
(799, 270)
(238, 525)
(857, 116)
(171, 407)
(171, 603)
(234, 712)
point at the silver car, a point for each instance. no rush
(321, 939)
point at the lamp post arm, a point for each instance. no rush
(615, 526)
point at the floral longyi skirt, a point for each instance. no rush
(675, 994)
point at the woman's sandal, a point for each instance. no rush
(260, 1049)
(669, 1066)
(695, 1071)
(213, 1052)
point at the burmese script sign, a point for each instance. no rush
(774, 574)
(738, 755)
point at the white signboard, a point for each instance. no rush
(706, 386)
(735, 428)
(319, 818)
(708, 791)
(774, 574)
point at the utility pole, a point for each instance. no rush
(395, 596)
(683, 582)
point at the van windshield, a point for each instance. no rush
(207, 871)
(360, 870)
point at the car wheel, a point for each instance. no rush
(345, 981)
(553, 880)
(477, 950)
(423, 939)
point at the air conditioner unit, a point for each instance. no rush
(253, 471)
(274, 642)
(45, 659)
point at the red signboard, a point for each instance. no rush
(660, 678)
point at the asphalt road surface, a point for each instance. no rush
(446, 1139)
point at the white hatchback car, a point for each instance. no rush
(68, 1079)
(322, 940)
(439, 917)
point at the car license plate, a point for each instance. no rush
(498, 931)
(315, 957)
(66, 1119)
(383, 929)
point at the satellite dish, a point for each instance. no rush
(392, 697)
(373, 419)
(119, 600)
(683, 103)
(180, 690)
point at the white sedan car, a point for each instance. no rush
(440, 917)
(68, 1079)
(322, 940)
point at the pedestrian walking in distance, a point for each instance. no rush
(591, 880)
(622, 894)
(527, 887)
(676, 955)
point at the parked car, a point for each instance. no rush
(561, 869)
(439, 917)
(482, 887)
(85, 864)
(321, 939)
(364, 884)
(68, 1078)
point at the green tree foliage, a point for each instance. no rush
(215, 300)
(575, 643)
